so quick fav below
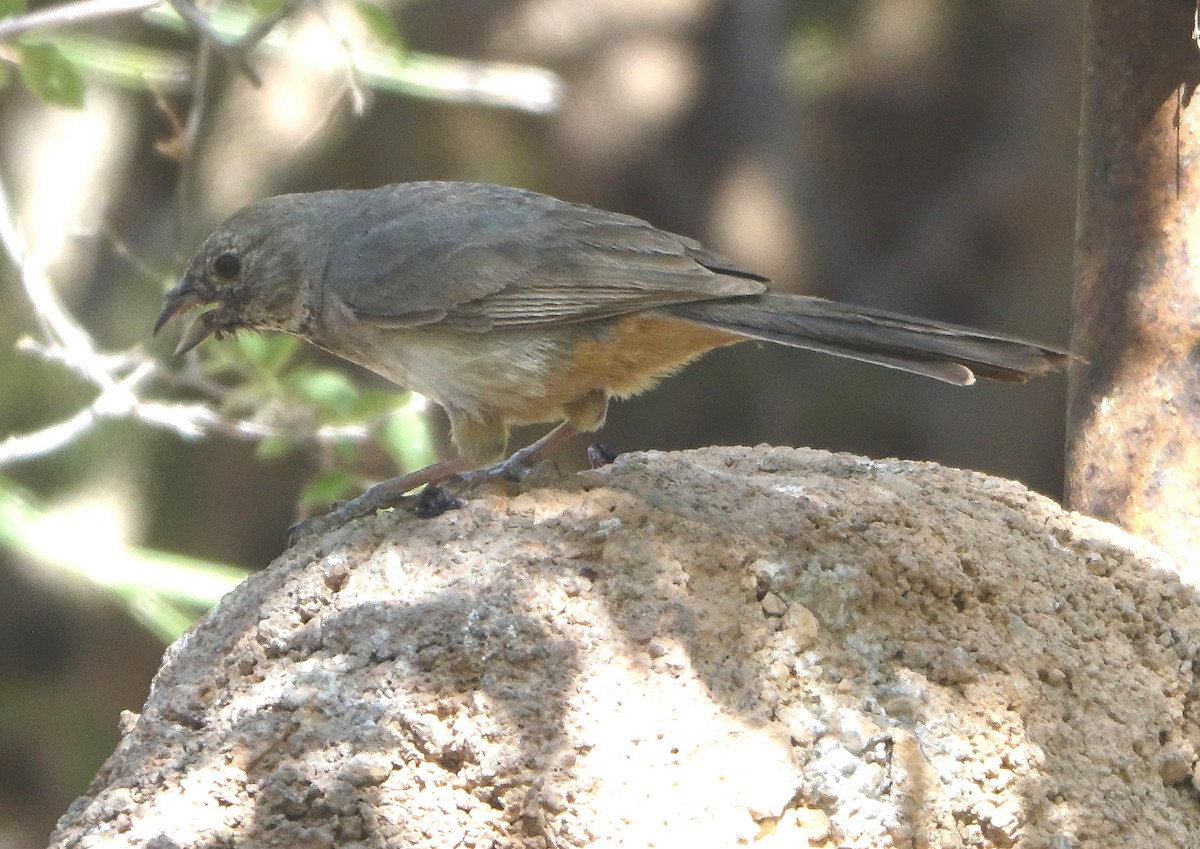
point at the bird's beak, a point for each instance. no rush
(185, 296)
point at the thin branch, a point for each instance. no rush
(62, 332)
(236, 52)
(118, 377)
(208, 33)
(83, 11)
(263, 28)
(510, 86)
(71, 13)
(119, 246)
(186, 420)
(113, 403)
(108, 364)
(30, 446)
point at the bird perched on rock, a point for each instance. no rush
(509, 307)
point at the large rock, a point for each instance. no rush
(716, 648)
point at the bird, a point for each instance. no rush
(509, 307)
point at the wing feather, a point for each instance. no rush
(476, 257)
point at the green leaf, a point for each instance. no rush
(405, 436)
(376, 403)
(379, 24)
(325, 488)
(271, 352)
(12, 8)
(130, 65)
(330, 390)
(347, 450)
(265, 7)
(160, 589)
(272, 447)
(50, 75)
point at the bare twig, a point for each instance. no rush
(119, 377)
(118, 244)
(115, 402)
(354, 86)
(82, 11)
(236, 52)
(208, 33)
(202, 83)
(528, 88)
(71, 13)
(263, 28)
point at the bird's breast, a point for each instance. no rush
(526, 375)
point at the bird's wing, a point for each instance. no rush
(477, 257)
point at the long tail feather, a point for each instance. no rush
(942, 351)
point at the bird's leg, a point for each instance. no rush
(520, 461)
(589, 410)
(386, 493)
(584, 414)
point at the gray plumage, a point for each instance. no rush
(507, 306)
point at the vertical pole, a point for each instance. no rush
(1133, 423)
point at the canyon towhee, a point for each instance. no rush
(509, 307)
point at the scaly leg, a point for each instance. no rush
(386, 493)
(513, 467)
(381, 495)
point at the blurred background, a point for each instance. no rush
(916, 155)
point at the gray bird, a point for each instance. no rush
(509, 307)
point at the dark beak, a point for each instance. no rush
(179, 300)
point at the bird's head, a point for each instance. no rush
(250, 269)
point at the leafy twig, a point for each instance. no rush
(528, 88)
(118, 377)
(71, 13)
(208, 33)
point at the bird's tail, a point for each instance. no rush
(942, 351)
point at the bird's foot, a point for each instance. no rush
(342, 513)
(388, 493)
(444, 485)
(512, 469)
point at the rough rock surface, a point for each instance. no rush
(766, 647)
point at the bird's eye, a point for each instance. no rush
(227, 265)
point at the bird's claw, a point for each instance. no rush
(432, 500)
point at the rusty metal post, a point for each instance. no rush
(1133, 425)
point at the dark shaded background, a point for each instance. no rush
(908, 154)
